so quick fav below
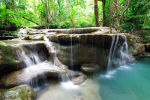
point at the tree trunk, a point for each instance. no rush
(96, 13)
(118, 13)
(111, 16)
(104, 13)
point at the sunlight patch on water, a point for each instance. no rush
(69, 85)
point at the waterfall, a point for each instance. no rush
(118, 55)
(110, 57)
(28, 62)
(33, 73)
(71, 55)
(29, 59)
(51, 46)
(66, 81)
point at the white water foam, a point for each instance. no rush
(69, 85)
(109, 74)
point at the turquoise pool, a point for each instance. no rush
(128, 82)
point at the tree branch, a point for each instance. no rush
(29, 20)
(124, 10)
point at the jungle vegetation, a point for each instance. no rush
(123, 15)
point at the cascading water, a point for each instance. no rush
(71, 56)
(110, 57)
(66, 81)
(51, 46)
(118, 55)
(27, 60)
(33, 68)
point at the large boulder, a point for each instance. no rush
(23, 92)
(78, 49)
(31, 74)
(139, 49)
(7, 60)
(135, 47)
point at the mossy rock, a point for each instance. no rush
(23, 92)
(7, 60)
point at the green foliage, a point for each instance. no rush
(13, 16)
(146, 36)
(47, 13)
(135, 15)
(65, 24)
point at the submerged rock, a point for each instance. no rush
(79, 80)
(90, 68)
(23, 92)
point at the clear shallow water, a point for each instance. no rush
(128, 82)
(67, 91)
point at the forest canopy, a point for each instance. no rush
(125, 15)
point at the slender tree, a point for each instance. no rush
(104, 12)
(96, 13)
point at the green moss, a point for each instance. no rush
(7, 61)
(27, 37)
(6, 54)
(18, 93)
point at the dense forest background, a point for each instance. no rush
(123, 15)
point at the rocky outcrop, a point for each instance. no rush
(78, 49)
(23, 92)
(135, 47)
(30, 74)
(75, 30)
(97, 39)
(139, 49)
(7, 60)
(38, 49)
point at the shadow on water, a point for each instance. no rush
(127, 82)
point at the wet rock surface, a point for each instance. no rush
(23, 92)
(7, 60)
(82, 54)
(147, 47)
(28, 74)
(32, 50)
(90, 68)
(98, 39)
(139, 49)
(79, 80)
(135, 47)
